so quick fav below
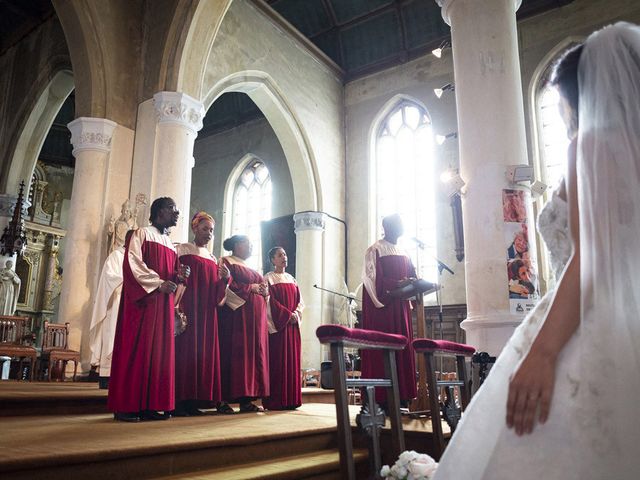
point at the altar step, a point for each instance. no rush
(68, 398)
(297, 444)
(320, 465)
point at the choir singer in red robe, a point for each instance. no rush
(244, 347)
(142, 369)
(386, 265)
(197, 348)
(284, 313)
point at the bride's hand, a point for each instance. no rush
(530, 392)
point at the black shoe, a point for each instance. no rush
(126, 417)
(180, 412)
(153, 415)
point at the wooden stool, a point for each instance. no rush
(340, 337)
(430, 349)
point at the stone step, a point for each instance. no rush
(67, 398)
(323, 464)
(97, 447)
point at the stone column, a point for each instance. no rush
(309, 228)
(179, 118)
(491, 133)
(91, 139)
(7, 204)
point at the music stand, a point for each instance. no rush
(418, 288)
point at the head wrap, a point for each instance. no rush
(199, 217)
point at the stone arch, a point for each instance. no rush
(35, 129)
(189, 55)
(372, 135)
(264, 93)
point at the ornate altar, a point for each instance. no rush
(41, 275)
(39, 267)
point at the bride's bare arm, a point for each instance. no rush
(531, 386)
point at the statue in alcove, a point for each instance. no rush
(9, 289)
(119, 228)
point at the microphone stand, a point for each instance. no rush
(351, 299)
(441, 267)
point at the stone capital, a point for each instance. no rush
(309, 221)
(178, 109)
(91, 134)
(446, 6)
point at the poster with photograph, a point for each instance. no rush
(521, 265)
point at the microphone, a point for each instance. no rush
(418, 242)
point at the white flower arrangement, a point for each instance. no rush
(411, 466)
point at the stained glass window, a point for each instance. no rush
(404, 182)
(252, 205)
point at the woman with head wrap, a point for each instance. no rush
(197, 348)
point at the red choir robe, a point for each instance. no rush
(284, 342)
(142, 367)
(385, 264)
(197, 348)
(242, 326)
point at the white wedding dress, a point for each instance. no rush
(593, 430)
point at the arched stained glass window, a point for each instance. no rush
(552, 142)
(252, 205)
(553, 137)
(404, 181)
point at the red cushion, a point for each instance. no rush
(422, 345)
(360, 338)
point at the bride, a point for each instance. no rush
(560, 402)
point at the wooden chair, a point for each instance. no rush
(310, 377)
(339, 337)
(13, 334)
(55, 348)
(430, 349)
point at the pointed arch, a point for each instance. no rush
(35, 130)
(403, 177)
(540, 76)
(265, 94)
(378, 120)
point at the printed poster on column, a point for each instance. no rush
(522, 268)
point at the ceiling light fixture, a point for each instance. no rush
(440, 139)
(437, 52)
(449, 87)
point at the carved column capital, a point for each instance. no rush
(179, 109)
(309, 221)
(446, 6)
(91, 134)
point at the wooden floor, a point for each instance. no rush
(44, 443)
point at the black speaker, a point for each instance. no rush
(326, 376)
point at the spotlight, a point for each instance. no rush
(440, 139)
(453, 182)
(520, 173)
(448, 87)
(437, 52)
